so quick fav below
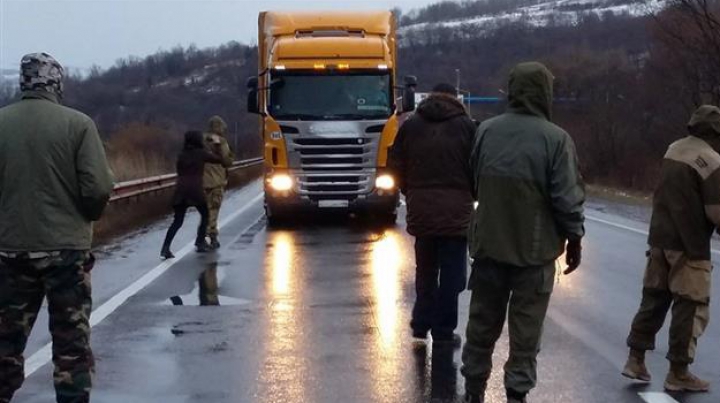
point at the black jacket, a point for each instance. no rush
(190, 168)
(431, 160)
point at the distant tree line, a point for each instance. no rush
(628, 84)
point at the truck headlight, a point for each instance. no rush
(281, 182)
(385, 182)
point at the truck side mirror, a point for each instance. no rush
(408, 99)
(252, 96)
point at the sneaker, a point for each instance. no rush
(166, 254)
(214, 243)
(454, 341)
(635, 369)
(472, 398)
(685, 381)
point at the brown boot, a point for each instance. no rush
(680, 379)
(635, 368)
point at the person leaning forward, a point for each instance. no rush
(431, 159)
(215, 177)
(686, 211)
(530, 202)
(54, 181)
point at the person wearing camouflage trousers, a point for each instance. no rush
(215, 178)
(55, 181)
(686, 211)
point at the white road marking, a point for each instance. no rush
(657, 397)
(631, 229)
(44, 355)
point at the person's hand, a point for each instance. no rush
(573, 255)
(215, 139)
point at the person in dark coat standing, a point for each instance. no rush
(431, 161)
(189, 190)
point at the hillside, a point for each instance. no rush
(630, 87)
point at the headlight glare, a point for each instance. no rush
(385, 182)
(281, 182)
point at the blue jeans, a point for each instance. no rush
(440, 276)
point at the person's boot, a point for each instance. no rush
(165, 251)
(214, 242)
(473, 398)
(635, 367)
(515, 397)
(680, 379)
(202, 247)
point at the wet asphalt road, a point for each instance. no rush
(319, 313)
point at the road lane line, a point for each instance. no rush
(657, 397)
(631, 229)
(616, 225)
(44, 355)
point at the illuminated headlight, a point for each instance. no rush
(281, 182)
(385, 182)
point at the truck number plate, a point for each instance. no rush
(333, 203)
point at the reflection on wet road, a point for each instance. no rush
(319, 313)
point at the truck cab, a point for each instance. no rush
(327, 100)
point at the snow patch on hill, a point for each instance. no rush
(557, 12)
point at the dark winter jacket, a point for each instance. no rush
(190, 168)
(430, 158)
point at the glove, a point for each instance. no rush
(573, 255)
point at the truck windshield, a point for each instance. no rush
(324, 96)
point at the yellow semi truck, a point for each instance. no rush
(326, 96)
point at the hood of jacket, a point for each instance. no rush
(440, 107)
(530, 90)
(217, 125)
(705, 122)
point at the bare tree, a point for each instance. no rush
(690, 32)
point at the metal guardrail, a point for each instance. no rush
(138, 187)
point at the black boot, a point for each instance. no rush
(202, 247)
(473, 398)
(165, 251)
(214, 242)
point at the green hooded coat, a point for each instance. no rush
(527, 183)
(216, 175)
(54, 177)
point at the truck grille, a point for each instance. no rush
(335, 167)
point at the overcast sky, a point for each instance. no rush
(82, 33)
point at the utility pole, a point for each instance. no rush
(457, 82)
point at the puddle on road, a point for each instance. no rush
(206, 291)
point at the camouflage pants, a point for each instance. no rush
(521, 293)
(673, 281)
(214, 197)
(65, 281)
